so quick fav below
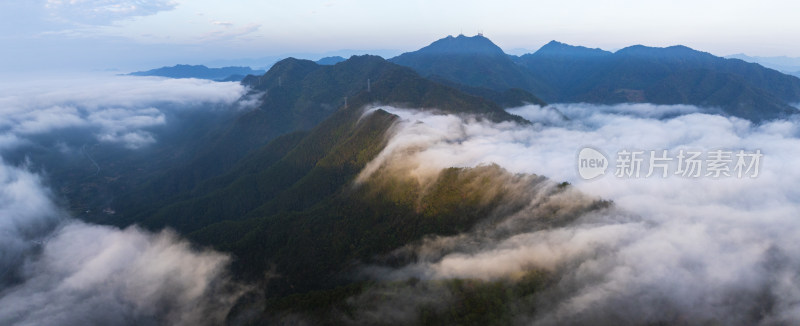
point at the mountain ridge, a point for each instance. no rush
(555, 48)
(472, 61)
(295, 95)
(660, 75)
(560, 72)
(200, 71)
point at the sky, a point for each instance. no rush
(124, 35)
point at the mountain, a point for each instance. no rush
(330, 60)
(232, 78)
(566, 68)
(294, 96)
(271, 179)
(671, 75)
(201, 72)
(274, 180)
(274, 185)
(559, 72)
(472, 61)
(783, 64)
(555, 49)
(508, 98)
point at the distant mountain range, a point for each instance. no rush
(217, 74)
(265, 62)
(330, 60)
(201, 72)
(563, 73)
(559, 72)
(783, 64)
(672, 75)
(473, 61)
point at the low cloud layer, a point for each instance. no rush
(88, 274)
(669, 250)
(27, 215)
(55, 270)
(58, 271)
(116, 109)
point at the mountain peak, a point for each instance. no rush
(556, 48)
(199, 71)
(290, 63)
(665, 52)
(557, 43)
(463, 44)
(328, 61)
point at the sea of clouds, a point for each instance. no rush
(56, 270)
(673, 249)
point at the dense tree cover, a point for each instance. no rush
(299, 90)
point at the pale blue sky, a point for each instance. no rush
(134, 34)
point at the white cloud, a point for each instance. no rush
(118, 109)
(228, 32)
(55, 270)
(90, 274)
(101, 12)
(27, 214)
(221, 23)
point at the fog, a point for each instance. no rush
(56, 270)
(89, 274)
(116, 109)
(671, 249)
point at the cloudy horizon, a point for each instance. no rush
(96, 35)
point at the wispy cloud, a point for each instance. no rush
(221, 23)
(229, 32)
(103, 12)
